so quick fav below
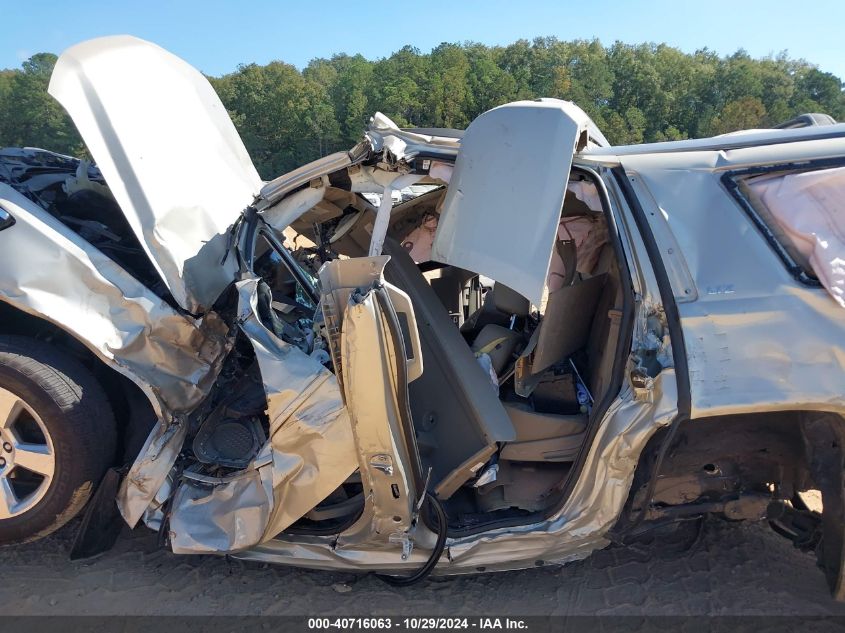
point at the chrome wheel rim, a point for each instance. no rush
(27, 458)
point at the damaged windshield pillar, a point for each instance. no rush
(376, 366)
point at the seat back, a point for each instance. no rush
(500, 303)
(566, 325)
(448, 284)
(604, 332)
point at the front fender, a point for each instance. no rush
(48, 271)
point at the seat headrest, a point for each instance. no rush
(573, 206)
(509, 301)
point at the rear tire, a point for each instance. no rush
(57, 437)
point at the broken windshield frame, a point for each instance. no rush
(250, 226)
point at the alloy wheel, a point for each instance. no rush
(27, 457)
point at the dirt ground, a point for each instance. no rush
(729, 569)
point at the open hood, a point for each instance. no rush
(501, 212)
(169, 153)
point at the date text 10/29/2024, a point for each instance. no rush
(416, 624)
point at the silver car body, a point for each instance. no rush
(183, 195)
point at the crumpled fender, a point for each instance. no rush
(309, 454)
(50, 272)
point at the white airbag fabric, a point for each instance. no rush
(810, 208)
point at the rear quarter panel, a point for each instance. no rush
(756, 338)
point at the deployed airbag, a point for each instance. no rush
(809, 207)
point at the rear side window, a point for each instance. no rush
(758, 191)
(801, 212)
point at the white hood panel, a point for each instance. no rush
(169, 152)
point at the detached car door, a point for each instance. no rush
(501, 210)
(375, 345)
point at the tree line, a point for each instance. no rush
(634, 93)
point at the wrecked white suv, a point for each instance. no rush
(556, 345)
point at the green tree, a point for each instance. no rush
(634, 92)
(32, 117)
(743, 114)
(284, 118)
(348, 94)
(399, 85)
(449, 100)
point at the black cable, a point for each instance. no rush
(423, 572)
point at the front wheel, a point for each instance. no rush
(57, 437)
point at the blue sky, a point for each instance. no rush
(217, 35)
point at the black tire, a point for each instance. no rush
(78, 417)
